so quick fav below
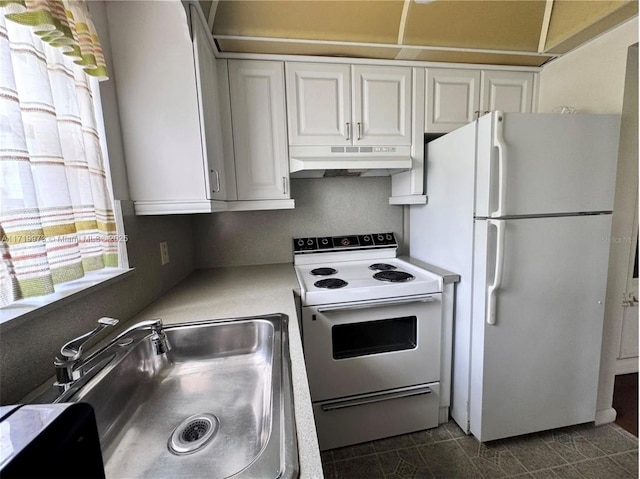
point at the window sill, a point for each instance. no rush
(25, 309)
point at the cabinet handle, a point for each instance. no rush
(363, 399)
(376, 303)
(348, 131)
(284, 185)
(359, 131)
(217, 181)
(476, 114)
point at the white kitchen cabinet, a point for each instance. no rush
(407, 187)
(339, 104)
(168, 108)
(452, 98)
(258, 116)
(381, 105)
(319, 104)
(506, 91)
(456, 97)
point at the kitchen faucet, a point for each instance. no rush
(69, 367)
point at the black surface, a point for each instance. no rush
(341, 243)
(382, 267)
(331, 283)
(373, 337)
(68, 448)
(323, 271)
(625, 402)
(393, 276)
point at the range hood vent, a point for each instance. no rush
(319, 161)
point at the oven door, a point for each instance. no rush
(361, 347)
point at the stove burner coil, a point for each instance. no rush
(382, 267)
(330, 283)
(393, 276)
(323, 271)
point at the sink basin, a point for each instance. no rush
(218, 404)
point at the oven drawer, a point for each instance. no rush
(374, 416)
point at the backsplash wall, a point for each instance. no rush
(324, 206)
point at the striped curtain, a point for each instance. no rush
(56, 213)
(61, 23)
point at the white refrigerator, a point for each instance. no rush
(520, 206)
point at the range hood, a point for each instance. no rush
(319, 161)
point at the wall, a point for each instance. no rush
(324, 206)
(590, 78)
(623, 226)
(28, 349)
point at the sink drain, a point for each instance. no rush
(193, 433)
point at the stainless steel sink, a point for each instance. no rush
(218, 404)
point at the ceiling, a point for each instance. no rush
(502, 32)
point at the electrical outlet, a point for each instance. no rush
(164, 252)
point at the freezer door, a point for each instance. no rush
(537, 367)
(531, 164)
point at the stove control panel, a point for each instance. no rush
(344, 243)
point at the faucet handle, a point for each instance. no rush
(73, 349)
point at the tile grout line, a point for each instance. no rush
(612, 457)
(580, 462)
(455, 441)
(384, 474)
(526, 469)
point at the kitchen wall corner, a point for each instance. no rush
(324, 206)
(591, 77)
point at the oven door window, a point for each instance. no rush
(374, 337)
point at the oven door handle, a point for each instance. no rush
(375, 397)
(376, 303)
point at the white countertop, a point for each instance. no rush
(242, 291)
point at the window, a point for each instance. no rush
(57, 218)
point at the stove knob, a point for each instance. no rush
(389, 237)
(367, 238)
(325, 241)
(310, 242)
(300, 242)
(380, 237)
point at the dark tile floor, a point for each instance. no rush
(578, 452)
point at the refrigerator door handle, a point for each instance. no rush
(497, 275)
(499, 144)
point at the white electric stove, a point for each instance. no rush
(371, 330)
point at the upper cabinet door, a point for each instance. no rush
(259, 131)
(453, 97)
(157, 104)
(319, 104)
(209, 107)
(381, 105)
(511, 92)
